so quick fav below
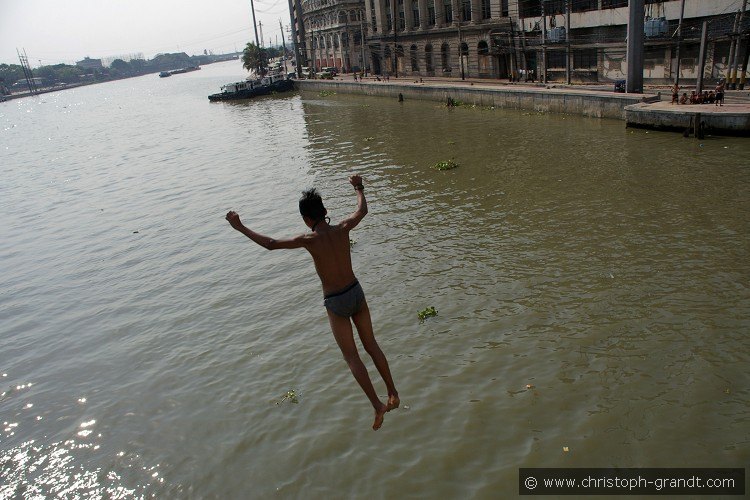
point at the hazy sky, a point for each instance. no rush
(55, 31)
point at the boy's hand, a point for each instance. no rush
(234, 219)
(355, 180)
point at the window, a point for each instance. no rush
(613, 4)
(401, 17)
(415, 13)
(553, 7)
(483, 56)
(556, 59)
(445, 57)
(342, 17)
(431, 13)
(428, 58)
(388, 16)
(584, 59)
(504, 8)
(585, 5)
(414, 60)
(465, 10)
(485, 9)
(529, 8)
(448, 9)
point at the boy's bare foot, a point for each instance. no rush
(393, 402)
(379, 416)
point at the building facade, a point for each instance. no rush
(330, 33)
(570, 41)
(88, 63)
(585, 40)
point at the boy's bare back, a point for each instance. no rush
(331, 252)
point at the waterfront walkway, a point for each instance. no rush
(652, 109)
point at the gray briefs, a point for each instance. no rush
(347, 302)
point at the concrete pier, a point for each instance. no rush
(730, 119)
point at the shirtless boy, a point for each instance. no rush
(344, 299)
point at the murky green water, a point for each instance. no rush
(591, 284)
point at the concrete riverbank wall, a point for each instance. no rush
(727, 120)
(547, 100)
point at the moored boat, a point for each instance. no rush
(253, 88)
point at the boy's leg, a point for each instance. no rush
(342, 332)
(363, 322)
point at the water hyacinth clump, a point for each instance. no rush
(445, 165)
(426, 313)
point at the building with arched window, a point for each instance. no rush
(330, 33)
(541, 40)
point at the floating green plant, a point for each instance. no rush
(426, 313)
(291, 396)
(445, 165)
(326, 93)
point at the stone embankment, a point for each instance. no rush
(637, 110)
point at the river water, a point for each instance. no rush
(591, 284)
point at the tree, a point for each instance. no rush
(121, 67)
(254, 58)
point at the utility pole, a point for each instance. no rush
(257, 42)
(634, 82)
(523, 51)
(544, 44)
(679, 41)
(741, 86)
(702, 58)
(737, 43)
(298, 33)
(260, 27)
(283, 44)
(460, 42)
(567, 41)
(363, 69)
(395, 37)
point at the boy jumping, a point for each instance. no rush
(344, 299)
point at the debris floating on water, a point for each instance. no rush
(426, 313)
(445, 165)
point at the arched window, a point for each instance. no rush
(414, 60)
(345, 40)
(342, 17)
(464, 49)
(445, 57)
(483, 55)
(415, 13)
(428, 58)
(335, 41)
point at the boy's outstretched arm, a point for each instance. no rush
(265, 241)
(351, 222)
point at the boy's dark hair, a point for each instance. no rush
(311, 205)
